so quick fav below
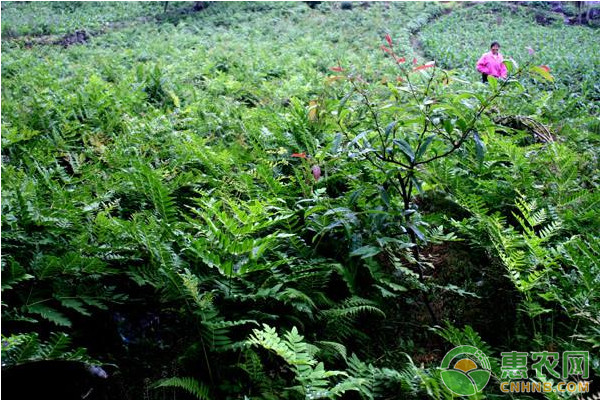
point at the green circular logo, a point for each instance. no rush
(466, 370)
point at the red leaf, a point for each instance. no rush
(415, 61)
(400, 60)
(545, 68)
(399, 79)
(388, 39)
(299, 155)
(386, 49)
(336, 69)
(424, 66)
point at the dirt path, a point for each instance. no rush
(415, 40)
(416, 44)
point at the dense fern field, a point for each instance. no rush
(296, 200)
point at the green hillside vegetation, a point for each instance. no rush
(569, 51)
(257, 200)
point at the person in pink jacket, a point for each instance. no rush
(491, 63)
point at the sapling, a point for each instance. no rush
(401, 125)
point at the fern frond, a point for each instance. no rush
(190, 385)
(313, 378)
(147, 182)
(49, 313)
(216, 331)
(13, 273)
(351, 308)
(472, 203)
(56, 347)
(74, 304)
(373, 382)
(21, 348)
(340, 320)
(339, 348)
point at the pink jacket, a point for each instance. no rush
(488, 64)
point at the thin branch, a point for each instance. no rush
(456, 145)
(375, 117)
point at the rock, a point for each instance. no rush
(556, 6)
(201, 5)
(79, 37)
(543, 19)
(313, 4)
(53, 379)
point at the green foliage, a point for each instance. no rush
(517, 30)
(64, 17)
(190, 385)
(21, 348)
(167, 166)
(399, 129)
(317, 382)
(524, 253)
(339, 320)
(314, 380)
(236, 232)
(381, 382)
(575, 287)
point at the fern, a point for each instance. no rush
(314, 380)
(374, 383)
(190, 385)
(351, 308)
(340, 320)
(216, 332)
(191, 283)
(337, 348)
(56, 347)
(234, 239)
(317, 382)
(17, 349)
(13, 274)
(49, 313)
(525, 254)
(21, 348)
(575, 287)
(147, 182)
